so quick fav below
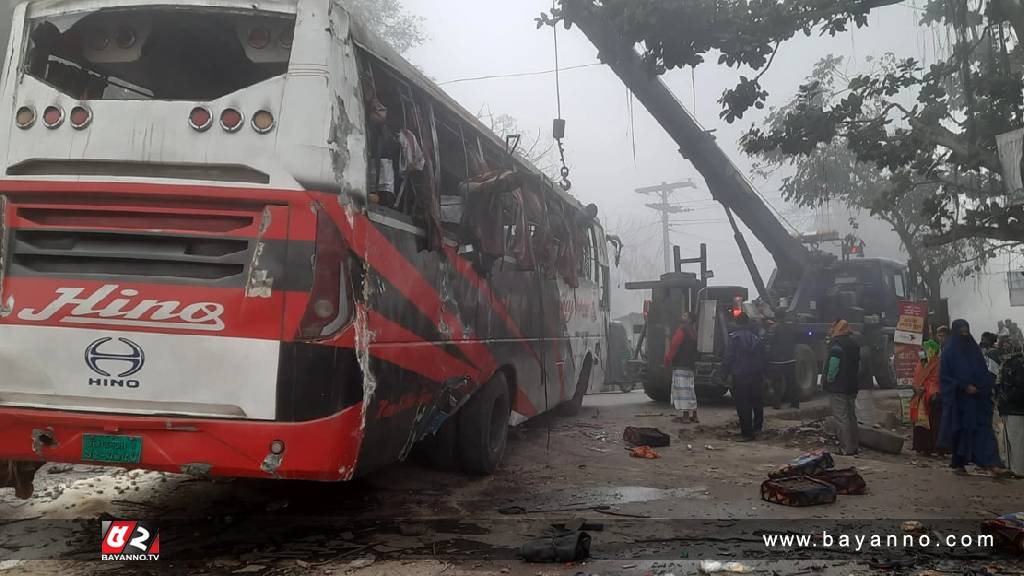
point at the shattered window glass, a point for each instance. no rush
(163, 54)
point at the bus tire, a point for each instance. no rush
(883, 364)
(658, 386)
(806, 371)
(441, 451)
(573, 406)
(483, 427)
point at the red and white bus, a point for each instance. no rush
(246, 238)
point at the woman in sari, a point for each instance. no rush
(926, 405)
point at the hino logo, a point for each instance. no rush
(132, 361)
(127, 310)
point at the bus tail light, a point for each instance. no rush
(53, 117)
(231, 119)
(259, 37)
(330, 301)
(263, 121)
(80, 117)
(200, 119)
(26, 117)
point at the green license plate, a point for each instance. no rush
(114, 449)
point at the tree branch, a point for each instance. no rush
(1014, 233)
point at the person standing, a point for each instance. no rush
(681, 357)
(926, 405)
(1010, 400)
(966, 387)
(745, 363)
(782, 359)
(841, 382)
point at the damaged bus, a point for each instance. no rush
(246, 238)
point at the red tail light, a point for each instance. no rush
(737, 312)
(200, 119)
(231, 119)
(53, 117)
(330, 302)
(259, 37)
(80, 117)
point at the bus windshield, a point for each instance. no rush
(158, 53)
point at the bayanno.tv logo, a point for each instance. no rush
(129, 540)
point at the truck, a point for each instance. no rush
(814, 288)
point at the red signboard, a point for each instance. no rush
(913, 316)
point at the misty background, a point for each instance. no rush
(613, 146)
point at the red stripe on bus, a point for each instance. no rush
(394, 344)
(367, 242)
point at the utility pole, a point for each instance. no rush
(665, 190)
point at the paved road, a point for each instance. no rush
(700, 500)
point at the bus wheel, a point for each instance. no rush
(883, 365)
(658, 388)
(806, 371)
(483, 427)
(441, 450)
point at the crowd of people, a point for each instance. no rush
(968, 401)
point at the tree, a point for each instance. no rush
(536, 148)
(946, 141)
(832, 172)
(389, 20)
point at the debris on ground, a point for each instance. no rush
(644, 452)
(557, 545)
(848, 482)
(807, 464)
(912, 527)
(1008, 532)
(714, 566)
(709, 447)
(798, 491)
(646, 437)
(360, 563)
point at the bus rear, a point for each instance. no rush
(175, 283)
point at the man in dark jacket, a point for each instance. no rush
(782, 359)
(1010, 401)
(745, 363)
(841, 382)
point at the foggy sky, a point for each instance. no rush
(471, 38)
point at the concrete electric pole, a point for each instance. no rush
(665, 207)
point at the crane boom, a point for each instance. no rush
(725, 181)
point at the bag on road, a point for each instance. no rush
(684, 397)
(646, 437)
(848, 482)
(798, 491)
(810, 464)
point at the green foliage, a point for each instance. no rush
(930, 130)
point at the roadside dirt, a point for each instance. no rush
(700, 500)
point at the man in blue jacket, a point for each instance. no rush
(745, 363)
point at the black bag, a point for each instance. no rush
(798, 491)
(646, 437)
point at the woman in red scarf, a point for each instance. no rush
(926, 405)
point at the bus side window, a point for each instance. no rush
(454, 172)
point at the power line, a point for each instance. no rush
(519, 74)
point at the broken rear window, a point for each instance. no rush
(162, 54)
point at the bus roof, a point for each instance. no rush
(50, 8)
